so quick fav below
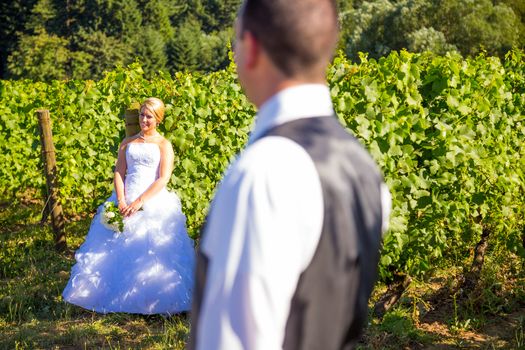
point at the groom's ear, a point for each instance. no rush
(252, 49)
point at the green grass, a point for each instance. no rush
(34, 316)
(32, 312)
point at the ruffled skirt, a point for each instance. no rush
(146, 269)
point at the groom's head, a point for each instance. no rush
(297, 36)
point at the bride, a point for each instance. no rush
(148, 267)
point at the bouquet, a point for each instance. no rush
(111, 217)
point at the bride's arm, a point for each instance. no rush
(120, 173)
(165, 170)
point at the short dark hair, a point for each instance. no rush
(298, 35)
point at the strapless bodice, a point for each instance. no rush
(142, 160)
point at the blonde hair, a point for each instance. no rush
(155, 106)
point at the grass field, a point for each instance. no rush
(34, 316)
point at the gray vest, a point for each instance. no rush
(330, 305)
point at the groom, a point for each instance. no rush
(289, 254)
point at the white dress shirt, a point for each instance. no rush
(263, 230)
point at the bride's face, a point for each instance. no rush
(147, 120)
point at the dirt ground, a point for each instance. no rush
(441, 322)
(499, 332)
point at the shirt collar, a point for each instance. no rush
(302, 101)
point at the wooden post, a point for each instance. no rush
(132, 119)
(53, 202)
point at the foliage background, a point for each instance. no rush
(64, 39)
(446, 131)
(207, 120)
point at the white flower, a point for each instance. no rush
(111, 217)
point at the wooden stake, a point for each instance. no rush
(50, 169)
(132, 119)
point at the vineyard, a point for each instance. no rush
(447, 132)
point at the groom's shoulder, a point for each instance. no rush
(272, 156)
(274, 169)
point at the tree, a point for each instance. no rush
(367, 29)
(214, 50)
(481, 26)
(380, 26)
(518, 7)
(183, 49)
(216, 15)
(13, 15)
(97, 53)
(40, 57)
(429, 39)
(151, 52)
(121, 19)
(157, 15)
(91, 36)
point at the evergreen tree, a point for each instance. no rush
(13, 17)
(42, 17)
(214, 50)
(151, 52)
(40, 54)
(40, 57)
(184, 47)
(90, 36)
(120, 19)
(217, 15)
(97, 53)
(157, 15)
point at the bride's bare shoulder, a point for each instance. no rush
(128, 140)
(165, 145)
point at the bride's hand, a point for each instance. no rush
(133, 207)
(122, 206)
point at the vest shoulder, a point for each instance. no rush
(327, 141)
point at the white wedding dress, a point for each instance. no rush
(149, 267)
